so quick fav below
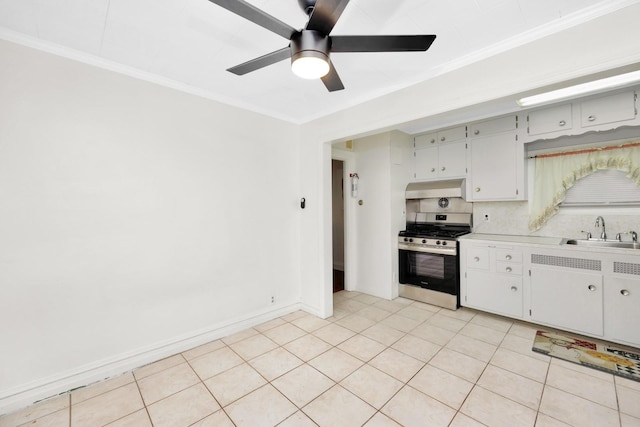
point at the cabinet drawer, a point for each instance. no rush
(508, 255)
(608, 109)
(553, 119)
(478, 258)
(509, 268)
(489, 127)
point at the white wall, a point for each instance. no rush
(382, 165)
(135, 221)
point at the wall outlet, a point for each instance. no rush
(486, 217)
(273, 300)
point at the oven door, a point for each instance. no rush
(437, 272)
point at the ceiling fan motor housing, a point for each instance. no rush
(307, 6)
(310, 43)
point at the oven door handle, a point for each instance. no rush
(451, 251)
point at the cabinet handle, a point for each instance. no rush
(591, 118)
(508, 257)
(562, 123)
(433, 169)
(442, 169)
(591, 288)
(442, 139)
(476, 259)
(477, 189)
(508, 269)
(624, 293)
(514, 289)
(477, 132)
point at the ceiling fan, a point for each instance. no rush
(309, 49)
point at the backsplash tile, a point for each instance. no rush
(513, 218)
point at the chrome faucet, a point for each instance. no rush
(599, 221)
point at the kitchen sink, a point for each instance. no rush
(603, 243)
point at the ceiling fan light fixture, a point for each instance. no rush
(310, 54)
(310, 65)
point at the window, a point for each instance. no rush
(588, 176)
(606, 187)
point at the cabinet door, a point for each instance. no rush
(608, 109)
(494, 292)
(493, 126)
(453, 134)
(425, 141)
(622, 309)
(426, 163)
(493, 167)
(554, 119)
(452, 160)
(567, 298)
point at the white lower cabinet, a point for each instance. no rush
(622, 303)
(495, 292)
(593, 293)
(567, 299)
(493, 279)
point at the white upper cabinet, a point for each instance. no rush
(596, 113)
(441, 137)
(618, 108)
(493, 126)
(494, 168)
(548, 120)
(496, 161)
(441, 155)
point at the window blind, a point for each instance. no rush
(607, 187)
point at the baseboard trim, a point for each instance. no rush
(57, 384)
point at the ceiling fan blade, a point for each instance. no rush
(263, 61)
(332, 80)
(257, 16)
(325, 15)
(381, 43)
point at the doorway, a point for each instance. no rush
(337, 193)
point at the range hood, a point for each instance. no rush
(436, 189)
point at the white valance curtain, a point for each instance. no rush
(557, 172)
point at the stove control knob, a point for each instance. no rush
(406, 239)
(444, 243)
(411, 240)
(438, 242)
(424, 241)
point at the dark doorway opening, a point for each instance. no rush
(337, 191)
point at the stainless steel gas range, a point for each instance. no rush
(428, 248)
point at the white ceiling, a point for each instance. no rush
(188, 44)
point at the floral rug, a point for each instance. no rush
(589, 353)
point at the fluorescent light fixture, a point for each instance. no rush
(571, 91)
(310, 67)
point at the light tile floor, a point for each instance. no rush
(374, 363)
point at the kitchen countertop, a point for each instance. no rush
(548, 242)
(531, 240)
